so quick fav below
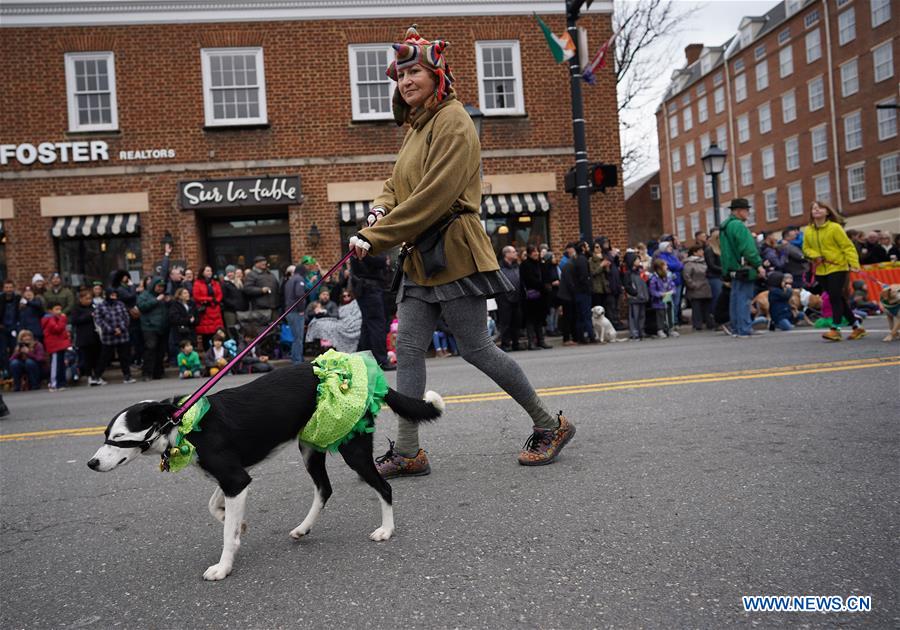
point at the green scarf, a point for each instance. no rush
(182, 452)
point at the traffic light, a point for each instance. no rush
(603, 176)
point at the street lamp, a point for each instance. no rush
(713, 164)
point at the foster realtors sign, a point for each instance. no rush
(242, 191)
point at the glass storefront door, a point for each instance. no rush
(237, 241)
(85, 260)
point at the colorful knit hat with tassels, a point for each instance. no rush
(414, 49)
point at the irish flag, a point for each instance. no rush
(563, 48)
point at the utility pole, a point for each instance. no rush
(583, 189)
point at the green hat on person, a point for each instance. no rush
(308, 261)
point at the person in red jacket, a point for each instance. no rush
(56, 342)
(208, 298)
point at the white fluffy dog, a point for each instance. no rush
(603, 328)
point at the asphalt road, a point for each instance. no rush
(775, 471)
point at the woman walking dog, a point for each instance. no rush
(450, 267)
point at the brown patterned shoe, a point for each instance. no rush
(544, 445)
(392, 464)
(858, 333)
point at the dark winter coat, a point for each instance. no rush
(233, 298)
(30, 315)
(254, 283)
(83, 326)
(695, 280)
(154, 312)
(182, 318)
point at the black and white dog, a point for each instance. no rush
(243, 426)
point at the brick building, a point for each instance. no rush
(643, 208)
(265, 130)
(792, 99)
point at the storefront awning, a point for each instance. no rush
(515, 203)
(96, 225)
(354, 211)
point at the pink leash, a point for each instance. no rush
(209, 384)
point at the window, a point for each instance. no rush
(370, 89)
(890, 174)
(705, 63)
(719, 100)
(710, 218)
(739, 64)
(746, 164)
(499, 78)
(850, 78)
(762, 75)
(687, 118)
(785, 61)
(856, 182)
(672, 107)
(759, 52)
(680, 229)
(673, 126)
(702, 110)
(842, 3)
(823, 187)
(692, 190)
(853, 131)
(788, 106)
(91, 91)
(770, 199)
(883, 60)
(751, 217)
(743, 128)
(768, 163)
(740, 88)
(679, 195)
(813, 45)
(654, 192)
(718, 78)
(784, 35)
(795, 199)
(686, 100)
(846, 26)
(721, 137)
(816, 94)
(887, 120)
(676, 160)
(819, 143)
(725, 181)
(881, 12)
(701, 89)
(689, 157)
(234, 86)
(695, 222)
(704, 144)
(792, 153)
(792, 6)
(746, 36)
(707, 187)
(765, 118)
(811, 18)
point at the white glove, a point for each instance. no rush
(373, 216)
(358, 241)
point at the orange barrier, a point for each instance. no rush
(888, 273)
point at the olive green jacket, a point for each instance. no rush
(437, 170)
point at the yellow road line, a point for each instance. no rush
(665, 381)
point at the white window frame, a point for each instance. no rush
(786, 61)
(767, 155)
(721, 137)
(819, 150)
(853, 132)
(792, 6)
(71, 95)
(850, 82)
(771, 208)
(889, 61)
(740, 88)
(518, 91)
(690, 156)
(751, 217)
(673, 126)
(856, 180)
(846, 26)
(707, 187)
(762, 75)
(822, 193)
(710, 218)
(725, 181)
(887, 118)
(680, 229)
(881, 12)
(692, 189)
(764, 113)
(695, 221)
(793, 108)
(813, 42)
(895, 175)
(702, 110)
(679, 195)
(705, 63)
(676, 159)
(206, 54)
(819, 96)
(792, 153)
(704, 143)
(743, 128)
(719, 100)
(687, 118)
(358, 114)
(746, 167)
(795, 209)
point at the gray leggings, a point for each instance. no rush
(467, 318)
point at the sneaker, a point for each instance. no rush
(858, 333)
(674, 333)
(544, 445)
(52, 390)
(129, 380)
(833, 335)
(392, 464)
(661, 334)
(94, 382)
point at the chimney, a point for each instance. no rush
(692, 52)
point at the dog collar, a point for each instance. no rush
(181, 453)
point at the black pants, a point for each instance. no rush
(89, 359)
(373, 335)
(123, 351)
(154, 351)
(612, 310)
(700, 312)
(835, 285)
(509, 315)
(535, 316)
(567, 320)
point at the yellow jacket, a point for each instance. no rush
(831, 243)
(438, 168)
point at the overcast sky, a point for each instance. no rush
(713, 23)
